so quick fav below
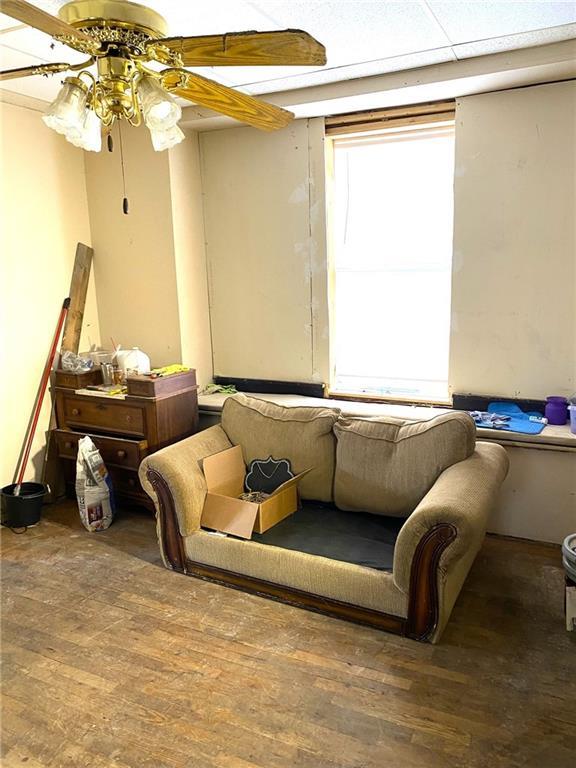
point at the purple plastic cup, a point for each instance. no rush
(556, 410)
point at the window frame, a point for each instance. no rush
(363, 125)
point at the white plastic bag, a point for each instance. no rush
(93, 487)
(69, 361)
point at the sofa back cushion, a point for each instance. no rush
(303, 435)
(387, 465)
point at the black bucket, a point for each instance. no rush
(25, 509)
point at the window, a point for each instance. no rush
(391, 260)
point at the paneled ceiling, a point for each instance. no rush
(362, 37)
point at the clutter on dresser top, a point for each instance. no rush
(119, 373)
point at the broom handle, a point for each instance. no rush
(43, 385)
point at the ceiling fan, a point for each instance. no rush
(120, 38)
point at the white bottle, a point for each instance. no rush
(133, 361)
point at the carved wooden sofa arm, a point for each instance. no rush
(438, 543)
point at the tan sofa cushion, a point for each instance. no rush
(387, 465)
(302, 435)
(352, 584)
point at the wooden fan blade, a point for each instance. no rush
(40, 69)
(289, 47)
(51, 25)
(225, 100)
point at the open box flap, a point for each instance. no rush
(229, 515)
(224, 472)
(289, 483)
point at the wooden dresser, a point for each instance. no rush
(124, 429)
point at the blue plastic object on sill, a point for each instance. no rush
(529, 423)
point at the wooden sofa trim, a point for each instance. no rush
(298, 598)
(423, 599)
(423, 595)
(172, 541)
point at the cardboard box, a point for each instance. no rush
(223, 509)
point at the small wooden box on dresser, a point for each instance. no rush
(125, 430)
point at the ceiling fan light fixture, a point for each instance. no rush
(158, 107)
(67, 111)
(167, 138)
(120, 37)
(92, 132)
(89, 135)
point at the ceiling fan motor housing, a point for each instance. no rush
(113, 25)
(121, 31)
(115, 75)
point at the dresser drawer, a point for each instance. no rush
(115, 451)
(125, 486)
(127, 483)
(102, 414)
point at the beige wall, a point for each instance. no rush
(149, 264)
(514, 273)
(134, 262)
(265, 241)
(44, 215)
(514, 284)
(190, 256)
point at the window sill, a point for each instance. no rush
(551, 438)
(390, 399)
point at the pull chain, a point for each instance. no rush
(125, 207)
(110, 145)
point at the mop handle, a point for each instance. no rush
(43, 385)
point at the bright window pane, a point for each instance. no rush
(393, 253)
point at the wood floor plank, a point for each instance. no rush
(112, 661)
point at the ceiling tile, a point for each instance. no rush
(392, 29)
(44, 88)
(50, 6)
(513, 42)
(11, 59)
(359, 31)
(42, 46)
(468, 21)
(367, 69)
(198, 18)
(8, 23)
(213, 17)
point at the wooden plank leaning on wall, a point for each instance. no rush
(77, 293)
(52, 472)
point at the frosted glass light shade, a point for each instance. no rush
(88, 135)
(66, 113)
(166, 139)
(92, 132)
(158, 107)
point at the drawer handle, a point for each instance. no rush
(121, 454)
(132, 481)
(128, 419)
(68, 445)
(75, 412)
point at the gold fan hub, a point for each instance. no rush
(115, 22)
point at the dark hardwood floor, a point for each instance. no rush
(111, 661)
